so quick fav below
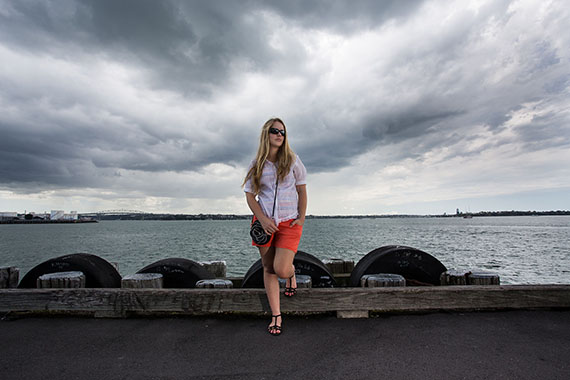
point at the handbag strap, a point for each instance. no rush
(275, 198)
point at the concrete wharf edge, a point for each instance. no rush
(356, 302)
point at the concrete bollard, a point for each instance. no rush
(483, 278)
(453, 277)
(303, 281)
(380, 280)
(9, 277)
(142, 281)
(217, 268)
(339, 266)
(217, 283)
(61, 280)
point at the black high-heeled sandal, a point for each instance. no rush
(275, 330)
(290, 291)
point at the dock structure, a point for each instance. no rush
(177, 286)
(345, 302)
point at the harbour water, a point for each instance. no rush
(521, 249)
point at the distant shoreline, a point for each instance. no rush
(167, 217)
(46, 221)
(95, 217)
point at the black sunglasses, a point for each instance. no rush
(276, 131)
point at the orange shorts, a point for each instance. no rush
(287, 237)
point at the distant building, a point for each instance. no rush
(43, 215)
(57, 214)
(8, 215)
(71, 216)
(61, 215)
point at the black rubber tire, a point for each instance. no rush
(416, 266)
(178, 273)
(99, 273)
(305, 264)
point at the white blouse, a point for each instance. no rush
(287, 201)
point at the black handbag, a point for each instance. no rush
(257, 233)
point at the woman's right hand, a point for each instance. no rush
(268, 225)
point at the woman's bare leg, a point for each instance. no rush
(271, 282)
(283, 265)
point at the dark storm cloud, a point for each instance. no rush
(435, 90)
(186, 45)
(404, 125)
(180, 46)
(371, 131)
(88, 155)
(342, 16)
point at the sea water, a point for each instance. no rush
(521, 249)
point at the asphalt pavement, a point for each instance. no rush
(484, 345)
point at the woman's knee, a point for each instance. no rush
(284, 271)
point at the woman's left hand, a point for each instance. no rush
(299, 221)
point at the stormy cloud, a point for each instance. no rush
(159, 104)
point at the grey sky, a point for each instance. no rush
(404, 107)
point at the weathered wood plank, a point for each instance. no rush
(74, 279)
(454, 277)
(483, 278)
(121, 302)
(9, 277)
(217, 268)
(142, 280)
(337, 266)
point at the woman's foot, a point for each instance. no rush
(275, 325)
(291, 290)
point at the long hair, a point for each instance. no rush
(285, 156)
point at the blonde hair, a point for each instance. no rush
(285, 156)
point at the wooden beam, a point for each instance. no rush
(9, 277)
(123, 302)
(142, 281)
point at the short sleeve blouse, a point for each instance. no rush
(287, 201)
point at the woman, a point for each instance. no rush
(277, 174)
